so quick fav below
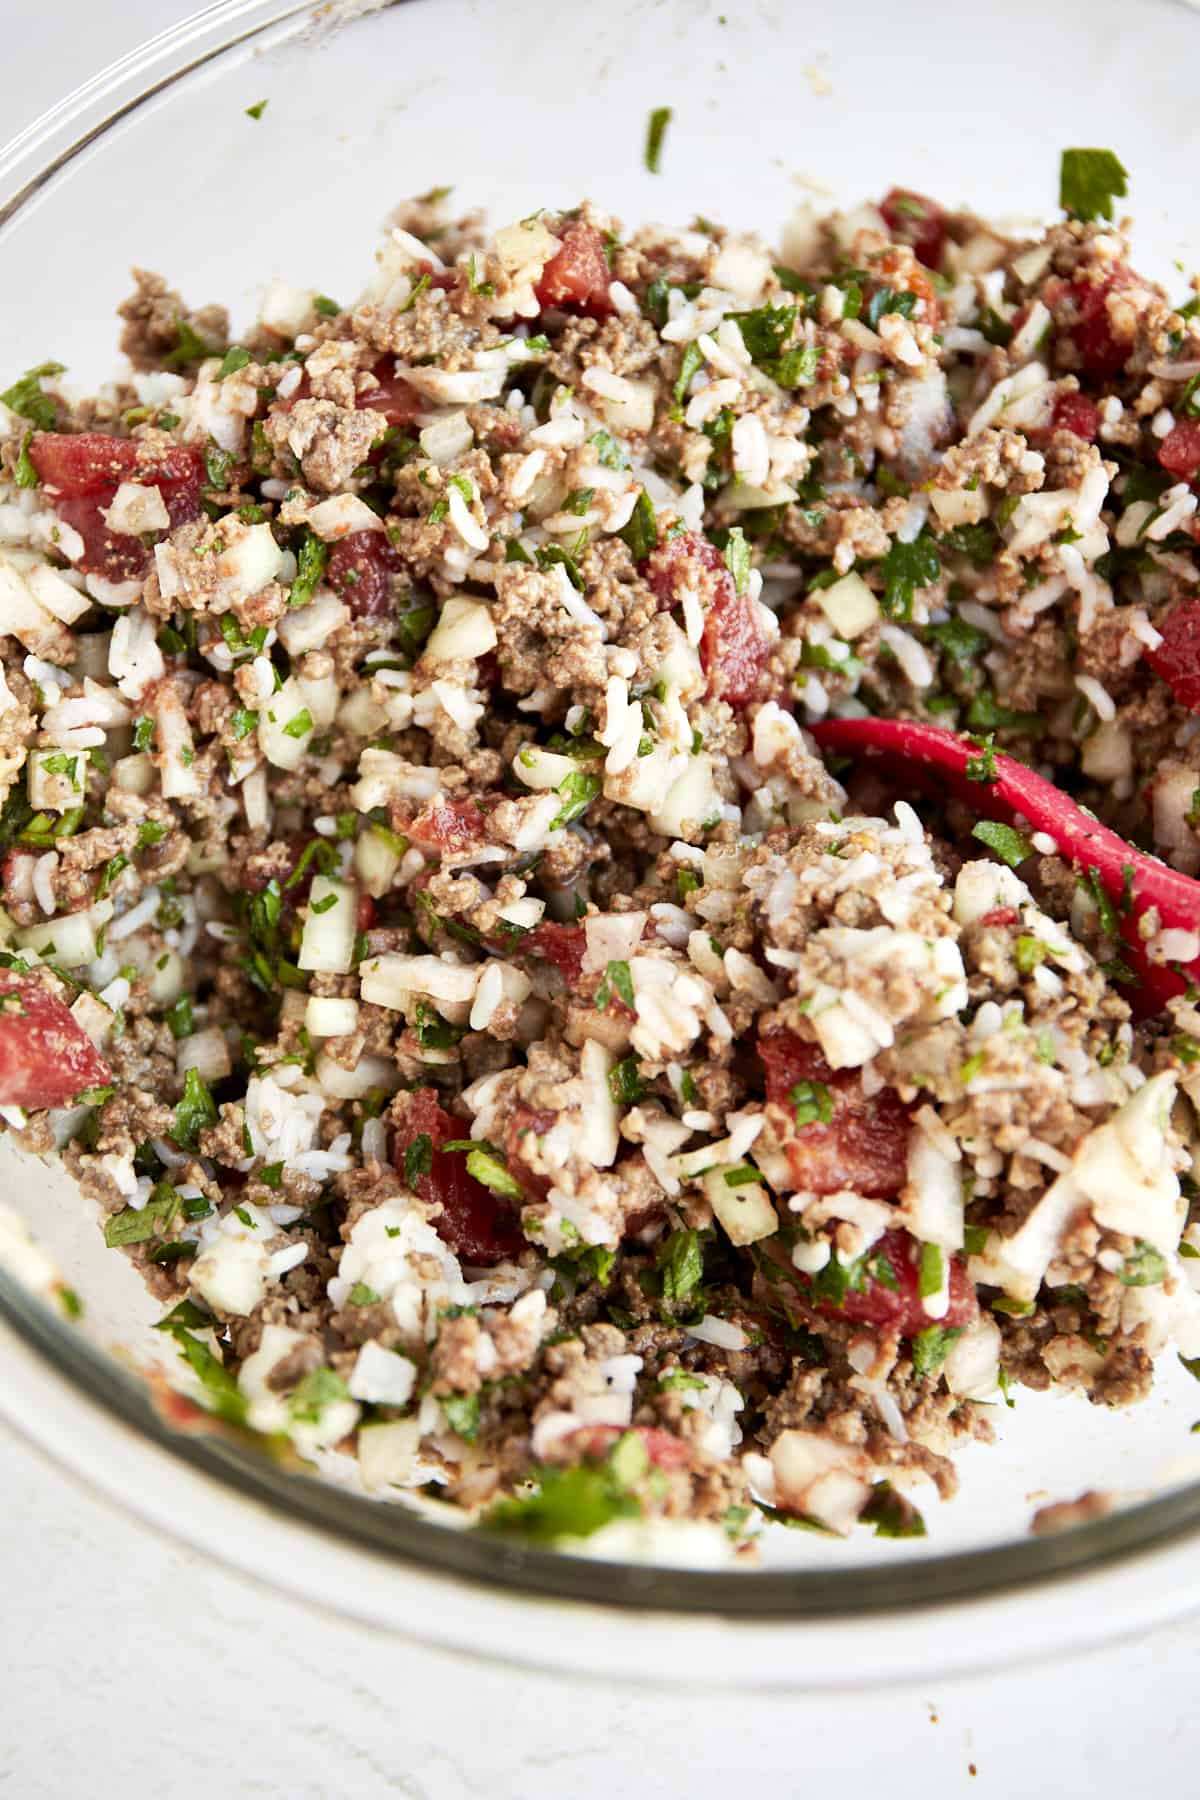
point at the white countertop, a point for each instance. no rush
(136, 1667)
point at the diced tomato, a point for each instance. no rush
(394, 397)
(46, 1058)
(918, 221)
(734, 647)
(82, 471)
(1177, 658)
(664, 1449)
(1100, 351)
(900, 1308)
(1075, 412)
(1000, 915)
(480, 1226)
(563, 945)
(448, 824)
(83, 463)
(577, 275)
(1179, 452)
(523, 1120)
(360, 569)
(684, 560)
(862, 1146)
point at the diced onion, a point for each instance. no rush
(327, 945)
(849, 605)
(328, 1015)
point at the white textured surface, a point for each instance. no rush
(134, 1667)
(137, 1668)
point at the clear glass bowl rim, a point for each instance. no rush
(28, 164)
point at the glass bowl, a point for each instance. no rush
(157, 162)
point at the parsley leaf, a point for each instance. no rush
(641, 533)
(907, 567)
(1143, 1267)
(656, 130)
(418, 1158)
(195, 1111)
(1008, 844)
(681, 1263)
(488, 1168)
(235, 358)
(625, 1083)
(320, 1388)
(566, 1503)
(617, 976)
(220, 1386)
(737, 558)
(813, 1102)
(462, 1414)
(887, 300)
(1089, 181)
(25, 396)
(24, 473)
(931, 1347)
(311, 559)
(578, 791)
(891, 1513)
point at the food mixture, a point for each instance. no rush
(599, 847)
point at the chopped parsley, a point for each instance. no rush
(320, 1388)
(888, 300)
(311, 558)
(812, 1102)
(24, 473)
(1007, 843)
(1089, 181)
(180, 1017)
(641, 533)
(235, 358)
(257, 110)
(891, 1513)
(221, 1388)
(565, 1503)
(737, 559)
(693, 360)
(1091, 884)
(931, 1273)
(195, 1111)
(487, 1166)
(907, 567)
(656, 131)
(25, 396)
(299, 725)
(462, 1415)
(931, 1347)
(983, 766)
(625, 1083)
(618, 979)
(136, 1225)
(418, 1158)
(578, 791)
(1143, 1267)
(681, 1267)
